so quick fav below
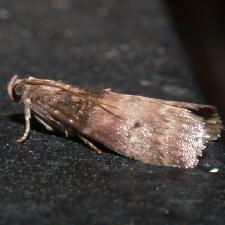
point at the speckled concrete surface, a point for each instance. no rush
(132, 47)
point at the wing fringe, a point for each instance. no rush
(209, 114)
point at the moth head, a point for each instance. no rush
(16, 89)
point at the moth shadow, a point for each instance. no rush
(36, 126)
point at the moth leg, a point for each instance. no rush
(91, 145)
(27, 124)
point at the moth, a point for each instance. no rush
(154, 131)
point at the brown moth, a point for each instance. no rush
(154, 131)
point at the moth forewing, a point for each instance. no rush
(153, 131)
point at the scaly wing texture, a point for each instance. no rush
(154, 131)
(207, 112)
(60, 110)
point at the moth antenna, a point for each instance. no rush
(31, 78)
(10, 86)
(27, 124)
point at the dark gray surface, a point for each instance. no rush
(130, 46)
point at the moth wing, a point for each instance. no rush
(60, 110)
(44, 114)
(209, 113)
(154, 131)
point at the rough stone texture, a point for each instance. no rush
(130, 46)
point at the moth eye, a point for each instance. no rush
(18, 91)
